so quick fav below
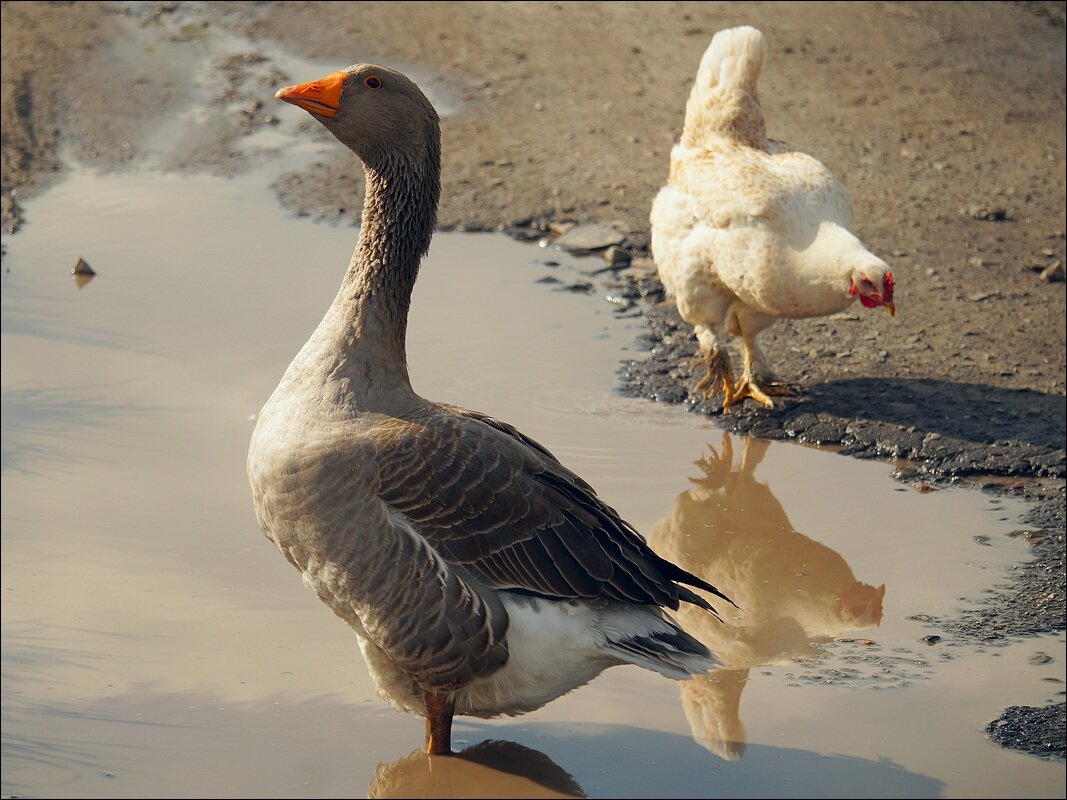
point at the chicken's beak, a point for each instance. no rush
(321, 97)
(891, 308)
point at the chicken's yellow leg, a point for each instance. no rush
(750, 386)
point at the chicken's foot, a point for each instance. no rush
(718, 375)
(747, 387)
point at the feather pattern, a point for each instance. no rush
(748, 230)
(471, 564)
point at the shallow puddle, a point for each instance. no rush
(155, 644)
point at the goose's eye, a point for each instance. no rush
(373, 82)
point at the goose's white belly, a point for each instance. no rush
(554, 647)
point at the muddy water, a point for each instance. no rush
(155, 644)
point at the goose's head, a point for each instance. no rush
(375, 111)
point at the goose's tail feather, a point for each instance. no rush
(651, 639)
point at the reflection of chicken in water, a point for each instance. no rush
(792, 591)
(487, 769)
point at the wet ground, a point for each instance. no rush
(937, 432)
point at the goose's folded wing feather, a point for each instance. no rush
(499, 504)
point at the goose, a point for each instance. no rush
(480, 576)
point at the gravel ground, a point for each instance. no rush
(945, 121)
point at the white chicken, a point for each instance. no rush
(748, 230)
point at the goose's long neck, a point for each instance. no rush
(370, 313)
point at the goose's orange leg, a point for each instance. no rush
(439, 711)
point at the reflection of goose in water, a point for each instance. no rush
(487, 769)
(793, 592)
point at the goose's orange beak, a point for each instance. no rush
(321, 97)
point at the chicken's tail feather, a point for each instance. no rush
(723, 100)
(733, 60)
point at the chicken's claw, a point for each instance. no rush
(762, 394)
(746, 388)
(718, 376)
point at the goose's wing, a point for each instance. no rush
(494, 501)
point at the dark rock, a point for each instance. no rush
(617, 258)
(1034, 730)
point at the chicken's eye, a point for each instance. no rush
(373, 82)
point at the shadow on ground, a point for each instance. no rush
(946, 429)
(951, 429)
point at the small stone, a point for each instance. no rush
(589, 237)
(579, 287)
(1053, 273)
(986, 213)
(82, 268)
(932, 639)
(616, 258)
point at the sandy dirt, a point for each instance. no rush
(945, 121)
(931, 114)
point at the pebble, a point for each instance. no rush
(578, 287)
(589, 237)
(1053, 273)
(986, 213)
(616, 258)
